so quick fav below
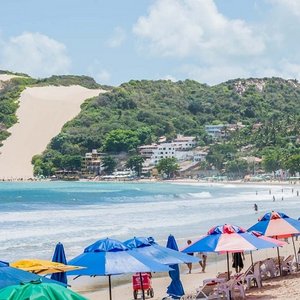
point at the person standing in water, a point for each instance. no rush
(255, 207)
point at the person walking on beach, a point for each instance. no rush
(190, 265)
(237, 261)
(202, 262)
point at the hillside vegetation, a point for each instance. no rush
(139, 112)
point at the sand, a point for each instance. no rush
(7, 77)
(272, 289)
(42, 113)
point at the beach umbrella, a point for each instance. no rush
(12, 276)
(277, 243)
(109, 257)
(278, 225)
(60, 257)
(175, 289)
(227, 239)
(38, 290)
(163, 255)
(42, 267)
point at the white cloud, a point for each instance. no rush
(35, 54)
(292, 6)
(102, 76)
(118, 37)
(181, 28)
(170, 77)
(210, 47)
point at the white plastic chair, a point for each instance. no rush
(254, 276)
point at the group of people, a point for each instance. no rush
(237, 260)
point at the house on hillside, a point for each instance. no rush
(91, 164)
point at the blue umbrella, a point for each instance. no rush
(13, 276)
(60, 257)
(175, 289)
(111, 257)
(163, 255)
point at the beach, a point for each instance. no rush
(79, 213)
(272, 288)
(42, 113)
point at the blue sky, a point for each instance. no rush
(115, 41)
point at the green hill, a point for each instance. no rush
(139, 112)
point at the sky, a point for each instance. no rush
(115, 41)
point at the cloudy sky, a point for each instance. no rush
(115, 41)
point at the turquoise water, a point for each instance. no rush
(35, 216)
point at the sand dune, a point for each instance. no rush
(6, 77)
(42, 113)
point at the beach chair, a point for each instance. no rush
(287, 265)
(209, 290)
(269, 269)
(229, 288)
(253, 275)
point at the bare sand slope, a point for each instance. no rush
(6, 77)
(42, 113)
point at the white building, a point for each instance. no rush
(179, 148)
(222, 130)
(216, 131)
(185, 142)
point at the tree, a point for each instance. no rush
(271, 161)
(109, 164)
(220, 153)
(168, 166)
(293, 164)
(135, 163)
(120, 140)
(237, 166)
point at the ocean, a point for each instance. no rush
(35, 216)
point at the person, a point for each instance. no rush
(189, 264)
(202, 262)
(237, 261)
(255, 207)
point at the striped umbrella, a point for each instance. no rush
(277, 243)
(227, 238)
(278, 225)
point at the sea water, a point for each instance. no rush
(35, 216)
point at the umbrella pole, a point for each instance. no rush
(228, 274)
(109, 283)
(142, 287)
(251, 256)
(279, 263)
(296, 257)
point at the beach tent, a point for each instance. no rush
(163, 255)
(278, 225)
(12, 276)
(228, 239)
(38, 290)
(109, 257)
(42, 267)
(59, 256)
(175, 289)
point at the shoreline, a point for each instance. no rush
(181, 181)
